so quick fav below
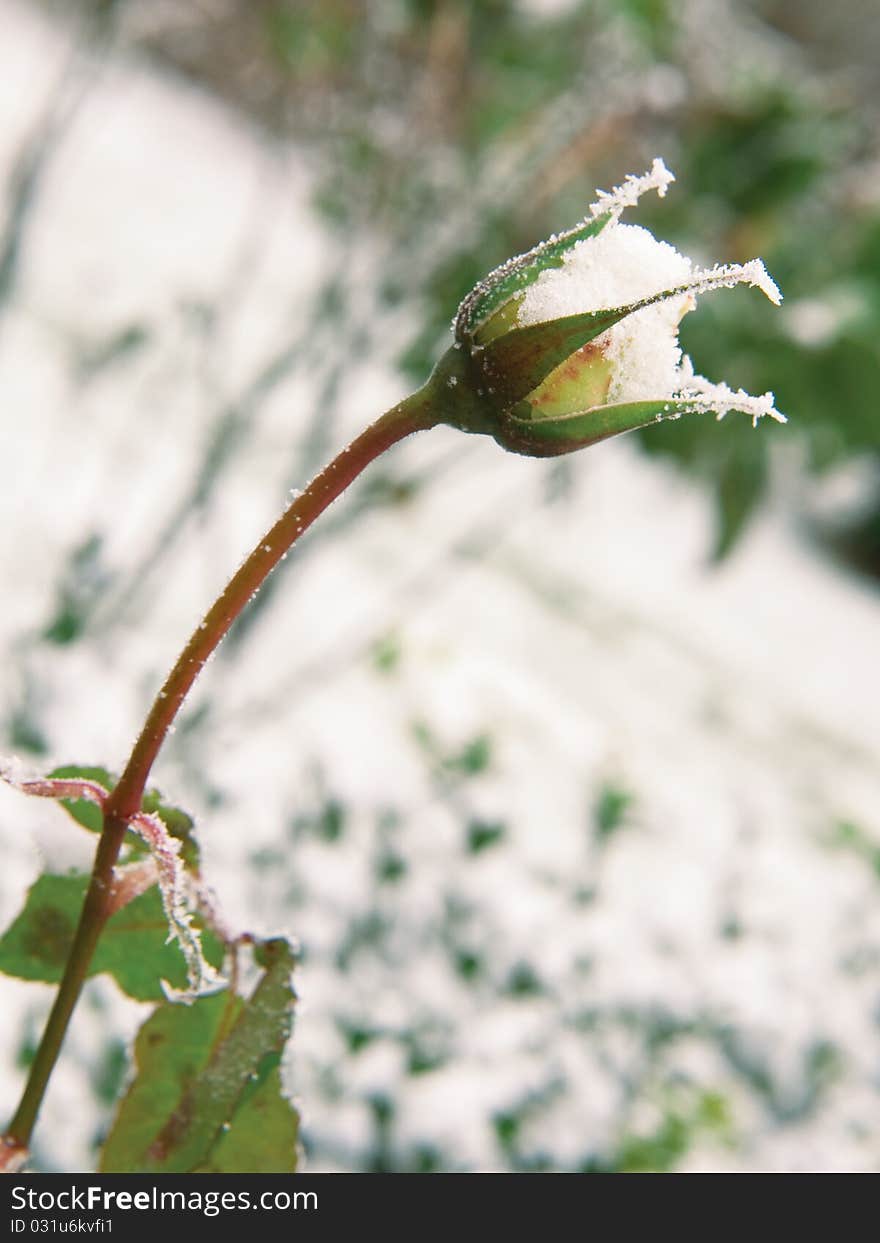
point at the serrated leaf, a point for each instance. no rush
(133, 948)
(208, 1094)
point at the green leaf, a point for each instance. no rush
(133, 948)
(36, 944)
(207, 1096)
(263, 1138)
(84, 812)
(474, 757)
(481, 834)
(170, 1052)
(610, 811)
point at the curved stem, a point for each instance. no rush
(91, 924)
(411, 415)
(416, 413)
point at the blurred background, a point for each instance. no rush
(562, 774)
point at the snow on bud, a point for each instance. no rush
(577, 340)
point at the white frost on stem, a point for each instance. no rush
(51, 787)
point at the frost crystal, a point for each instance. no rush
(704, 397)
(616, 202)
(726, 275)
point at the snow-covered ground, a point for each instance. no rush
(400, 761)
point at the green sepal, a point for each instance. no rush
(514, 364)
(549, 437)
(515, 276)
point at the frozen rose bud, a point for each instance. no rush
(577, 340)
